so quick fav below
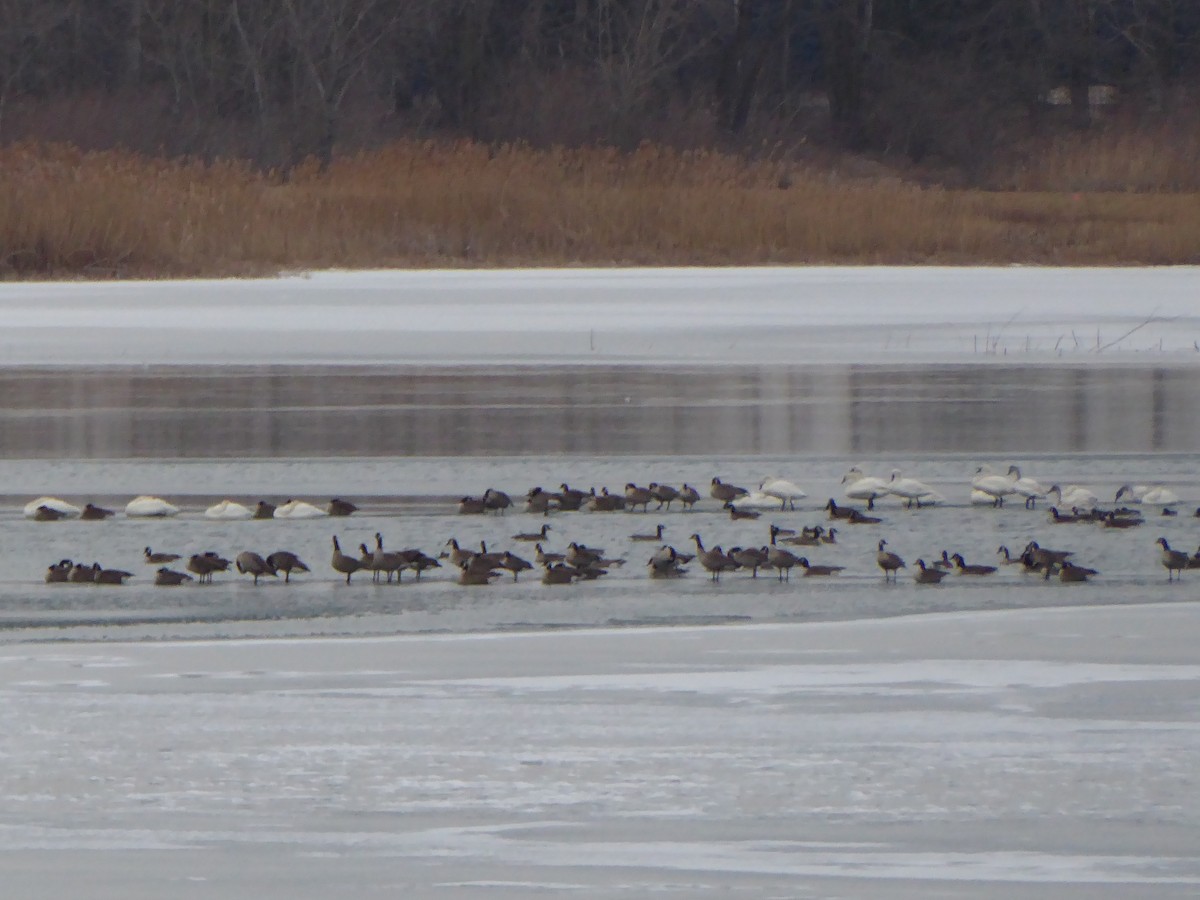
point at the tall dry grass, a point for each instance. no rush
(64, 213)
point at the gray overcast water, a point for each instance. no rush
(213, 412)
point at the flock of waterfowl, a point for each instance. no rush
(781, 553)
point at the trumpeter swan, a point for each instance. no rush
(228, 509)
(150, 507)
(66, 509)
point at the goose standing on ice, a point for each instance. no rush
(913, 491)
(890, 562)
(1151, 495)
(864, 487)
(145, 507)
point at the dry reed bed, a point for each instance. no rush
(63, 212)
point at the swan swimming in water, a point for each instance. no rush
(150, 507)
(228, 509)
(913, 491)
(860, 486)
(1152, 495)
(298, 509)
(62, 507)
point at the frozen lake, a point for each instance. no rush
(1001, 737)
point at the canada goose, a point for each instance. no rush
(888, 561)
(735, 514)
(477, 576)
(857, 518)
(533, 537)
(782, 490)
(514, 564)
(264, 510)
(109, 576)
(560, 574)
(666, 563)
(943, 562)
(993, 485)
(228, 509)
(379, 561)
(1193, 560)
(343, 564)
(1061, 518)
(1029, 488)
(1113, 520)
(1175, 561)
(165, 577)
(286, 562)
(59, 572)
(496, 501)
(1072, 495)
(829, 537)
(657, 535)
(777, 532)
(714, 560)
(205, 564)
(471, 506)
(538, 501)
(420, 563)
(547, 559)
(1169, 512)
(47, 514)
(81, 573)
(150, 507)
(864, 487)
(1044, 557)
(580, 555)
(913, 491)
(299, 509)
(604, 501)
(157, 559)
(664, 494)
(1151, 495)
(68, 510)
(93, 513)
(811, 570)
(924, 575)
(964, 569)
(782, 561)
(1069, 572)
(485, 557)
(838, 512)
(752, 558)
(809, 537)
(570, 499)
(340, 507)
(1007, 558)
(638, 496)
(250, 563)
(719, 490)
(689, 496)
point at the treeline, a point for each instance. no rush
(953, 83)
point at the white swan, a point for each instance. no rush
(1151, 494)
(298, 509)
(786, 492)
(755, 500)
(864, 487)
(995, 486)
(228, 509)
(59, 506)
(150, 507)
(1029, 488)
(1073, 495)
(913, 491)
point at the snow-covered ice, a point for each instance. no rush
(755, 315)
(1036, 753)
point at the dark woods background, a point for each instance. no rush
(931, 82)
